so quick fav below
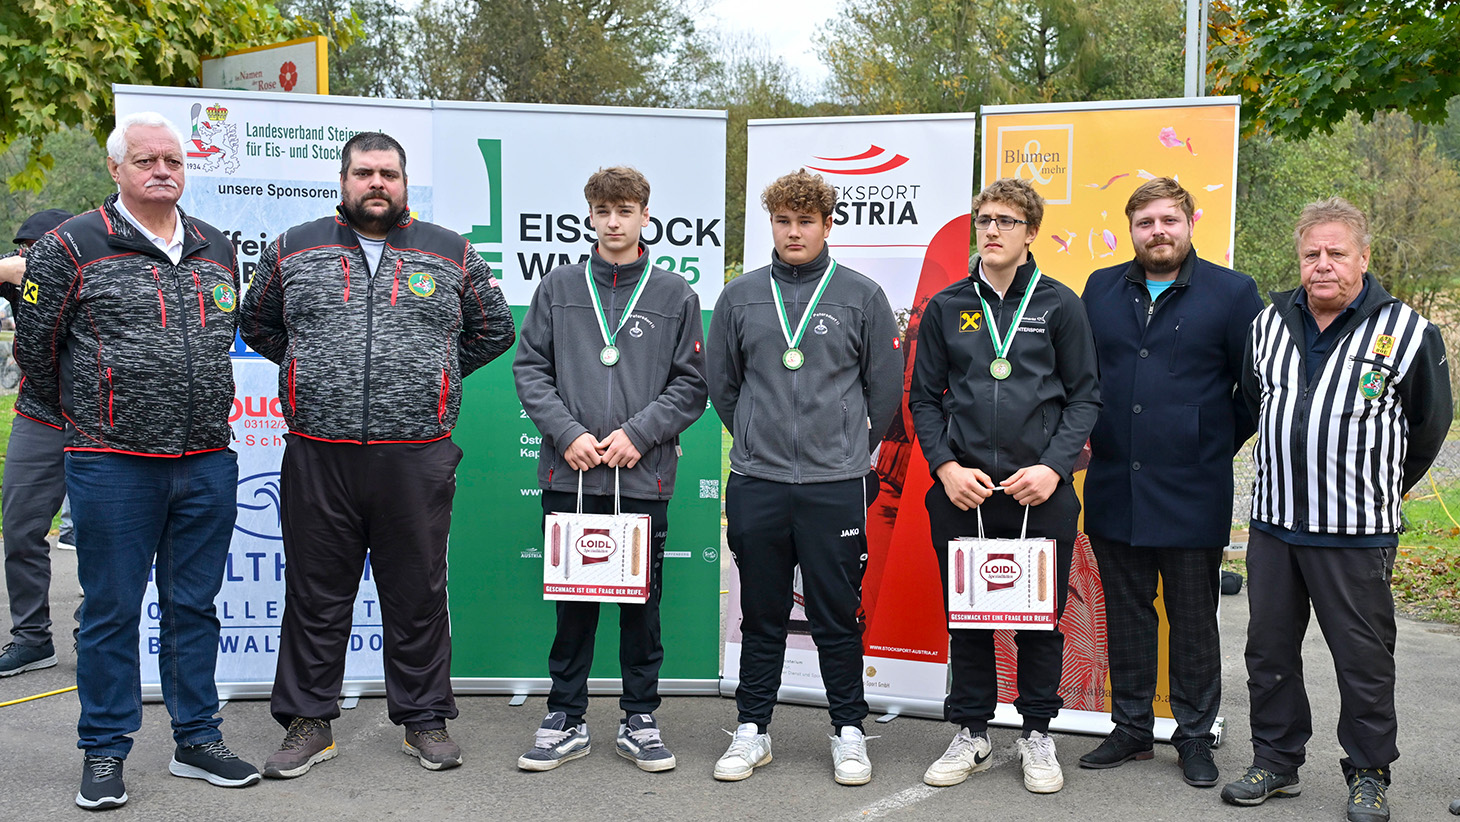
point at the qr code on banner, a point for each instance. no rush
(709, 489)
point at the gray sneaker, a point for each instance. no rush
(433, 747)
(17, 658)
(638, 740)
(556, 743)
(307, 742)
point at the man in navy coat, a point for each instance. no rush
(1169, 333)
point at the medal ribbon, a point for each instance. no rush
(598, 306)
(1001, 346)
(795, 341)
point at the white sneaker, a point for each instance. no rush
(966, 755)
(1041, 770)
(849, 757)
(748, 750)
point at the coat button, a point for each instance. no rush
(1135, 466)
(1137, 408)
(1145, 353)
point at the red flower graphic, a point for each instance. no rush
(288, 76)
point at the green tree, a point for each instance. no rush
(378, 61)
(78, 182)
(896, 56)
(58, 59)
(603, 52)
(1302, 65)
(749, 84)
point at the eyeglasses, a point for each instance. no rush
(1005, 222)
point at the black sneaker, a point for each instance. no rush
(307, 742)
(101, 783)
(17, 658)
(1117, 749)
(1366, 802)
(1255, 786)
(639, 741)
(214, 762)
(1194, 757)
(555, 743)
(433, 747)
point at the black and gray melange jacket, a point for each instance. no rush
(653, 393)
(148, 341)
(377, 359)
(26, 404)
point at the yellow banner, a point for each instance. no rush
(1085, 161)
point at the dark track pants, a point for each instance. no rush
(975, 690)
(771, 527)
(34, 485)
(640, 651)
(1349, 592)
(1190, 587)
(340, 501)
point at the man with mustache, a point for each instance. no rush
(125, 329)
(374, 318)
(1169, 331)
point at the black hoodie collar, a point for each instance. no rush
(800, 273)
(122, 233)
(1022, 275)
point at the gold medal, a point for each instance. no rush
(793, 358)
(1000, 368)
(609, 355)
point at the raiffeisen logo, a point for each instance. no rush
(887, 200)
(492, 232)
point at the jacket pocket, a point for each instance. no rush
(1175, 346)
(292, 364)
(846, 435)
(749, 422)
(441, 399)
(109, 412)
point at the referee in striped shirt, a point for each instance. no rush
(1351, 395)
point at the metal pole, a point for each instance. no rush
(1195, 48)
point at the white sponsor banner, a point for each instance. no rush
(296, 66)
(903, 186)
(515, 185)
(258, 164)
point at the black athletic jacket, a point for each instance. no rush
(374, 359)
(148, 341)
(1041, 414)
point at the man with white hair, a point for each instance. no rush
(1351, 395)
(139, 299)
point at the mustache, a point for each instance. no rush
(161, 184)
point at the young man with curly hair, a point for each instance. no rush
(806, 372)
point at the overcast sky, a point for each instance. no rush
(785, 27)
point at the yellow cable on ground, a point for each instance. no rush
(37, 696)
(1443, 506)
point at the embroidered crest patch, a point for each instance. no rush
(1371, 385)
(969, 320)
(224, 298)
(422, 284)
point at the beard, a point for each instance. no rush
(372, 222)
(1166, 259)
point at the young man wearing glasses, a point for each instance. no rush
(1004, 393)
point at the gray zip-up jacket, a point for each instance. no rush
(377, 359)
(654, 392)
(818, 423)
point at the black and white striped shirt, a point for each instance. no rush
(1334, 455)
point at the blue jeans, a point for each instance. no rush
(130, 513)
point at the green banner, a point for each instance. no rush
(501, 628)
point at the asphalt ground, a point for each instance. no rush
(40, 766)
